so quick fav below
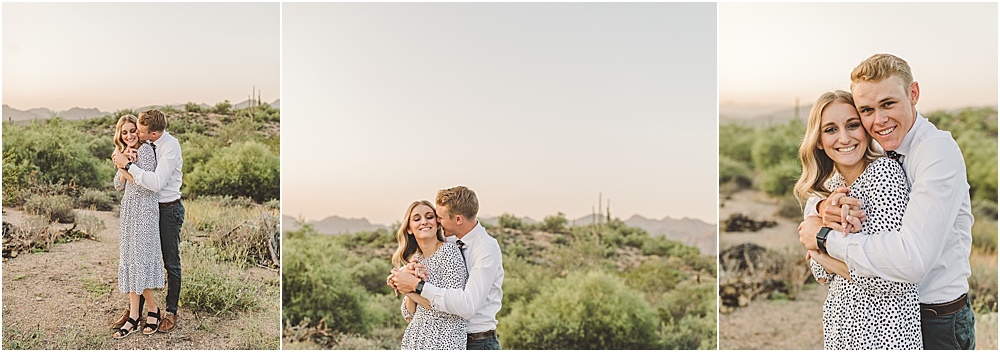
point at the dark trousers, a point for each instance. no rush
(171, 219)
(950, 332)
(487, 344)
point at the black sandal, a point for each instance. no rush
(122, 332)
(156, 326)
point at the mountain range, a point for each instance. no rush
(688, 231)
(12, 114)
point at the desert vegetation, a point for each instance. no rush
(57, 179)
(581, 287)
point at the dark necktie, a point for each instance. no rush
(895, 156)
(154, 149)
(461, 250)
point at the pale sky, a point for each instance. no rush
(771, 53)
(126, 55)
(536, 107)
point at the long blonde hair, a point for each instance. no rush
(817, 167)
(407, 242)
(119, 143)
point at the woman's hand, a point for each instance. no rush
(131, 154)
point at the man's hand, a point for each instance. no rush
(808, 230)
(404, 281)
(119, 159)
(416, 269)
(388, 281)
(832, 210)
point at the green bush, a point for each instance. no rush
(779, 180)
(58, 150)
(777, 145)
(223, 108)
(584, 311)
(56, 207)
(509, 221)
(245, 169)
(736, 142)
(98, 199)
(554, 223)
(734, 171)
(192, 107)
(316, 285)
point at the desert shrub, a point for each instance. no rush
(509, 221)
(984, 235)
(737, 142)
(211, 285)
(780, 179)
(776, 145)
(654, 276)
(56, 207)
(273, 204)
(192, 107)
(250, 241)
(90, 224)
(245, 169)
(316, 286)
(18, 175)
(554, 223)
(370, 274)
(734, 171)
(983, 282)
(662, 246)
(223, 108)
(97, 199)
(584, 311)
(58, 150)
(984, 209)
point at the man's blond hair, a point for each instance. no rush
(881, 66)
(154, 120)
(459, 200)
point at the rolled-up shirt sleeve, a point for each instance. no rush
(465, 302)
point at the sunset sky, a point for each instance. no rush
(771, 53)
(112, 56)
(536, 107)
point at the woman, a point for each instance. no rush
(860, 312)
(140, 265)
(421, 240)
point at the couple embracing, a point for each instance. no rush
(889, 225)
(149, 169)
(451, 272)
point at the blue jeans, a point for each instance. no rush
(951, 332)
(171, 219)
(487, 344)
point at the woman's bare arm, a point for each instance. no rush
(831, 264)
(415, 299)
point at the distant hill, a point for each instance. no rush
(12, 114)
(760, 115)
(332, 225)
(688, 231)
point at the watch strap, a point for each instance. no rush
(821, 238)
(420, 287)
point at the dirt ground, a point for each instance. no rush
(785, 324)
(66, 298)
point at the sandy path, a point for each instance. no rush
(67, 297)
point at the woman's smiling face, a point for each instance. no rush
(130, 135)
(842, 136)
(423, 222)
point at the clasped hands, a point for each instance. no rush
(839, 212)
(405, 279)
(121, 159)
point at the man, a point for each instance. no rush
(166, 182)
(933, 247)
(479, 302)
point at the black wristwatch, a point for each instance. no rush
(127, 166)
(420, 287)
(821, 238)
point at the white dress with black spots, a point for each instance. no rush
(872, 313)
(140, 264)
(434, 329)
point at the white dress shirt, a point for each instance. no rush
(479, 302)
(166, 179)
(933, 247)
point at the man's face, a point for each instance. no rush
(446, 221)
(887, 109)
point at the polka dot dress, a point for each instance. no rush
(433, 329)
(140, 264)
(872, 313)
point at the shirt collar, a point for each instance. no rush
(473, 235)
(918, 123)
(159, 141)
